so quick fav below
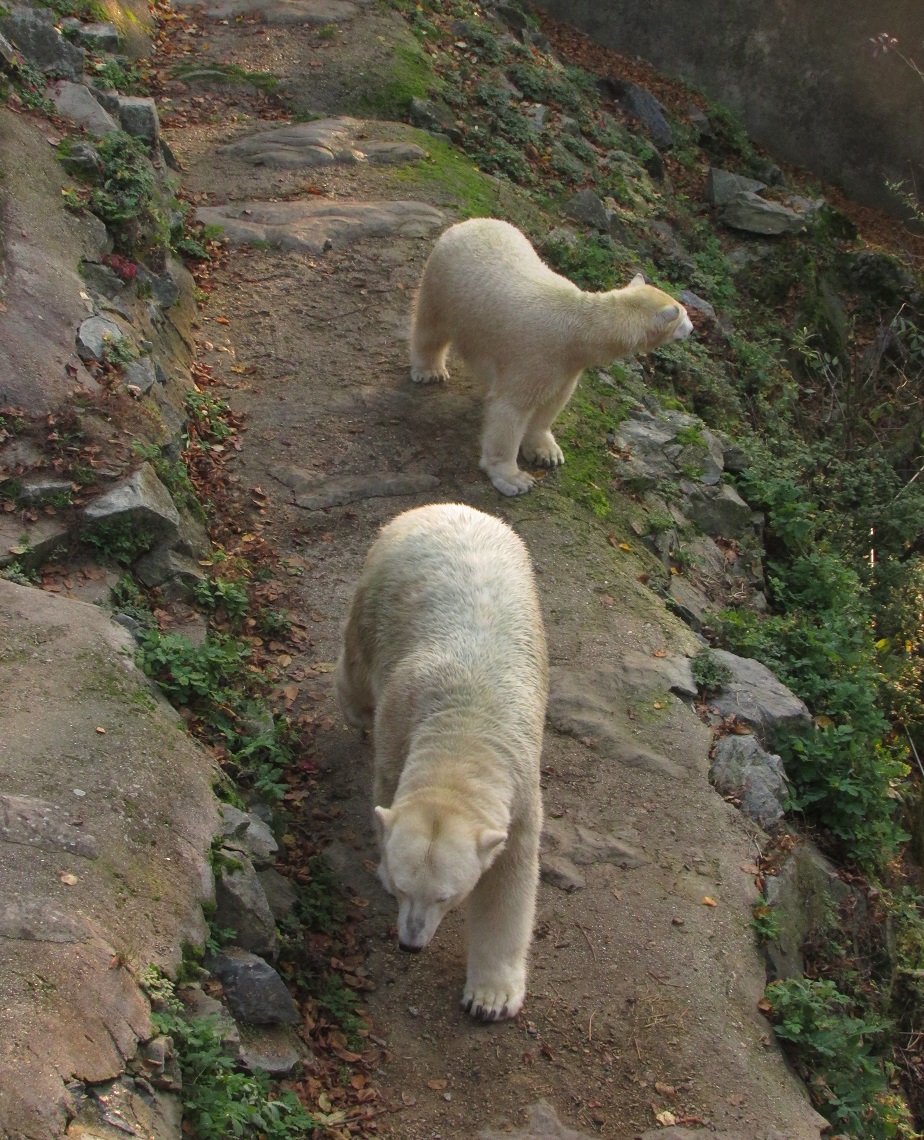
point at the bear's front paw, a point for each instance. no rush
(511, 480)
(427, 376)
(493, 1000)
(543, 453)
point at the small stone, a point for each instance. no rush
(83, 159)
(280, 893)
(93, 335)
(140, 374)
(585, 207)
(250, 834)
(560, 872)
(256, 994)
(719, 511)
(691, 301)
(313, 494)
(138, 116)
(740, 767)
(241, 905)
(755, 215)
(723, 187)
(434, 117)
(162, 565)
(97, 38)
(273, 1050)
(646, 108)
(164, 287)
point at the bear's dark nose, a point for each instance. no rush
(409, 949)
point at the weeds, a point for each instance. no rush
(119, 540)
(709, 673)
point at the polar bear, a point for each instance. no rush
(526, 334)
(444, 658)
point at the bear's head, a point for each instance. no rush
(432, 858)
(659, 319)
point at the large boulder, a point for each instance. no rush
(758, 699)
(740, 767)
(33, 31)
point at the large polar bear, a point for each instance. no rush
(444, 659)
(526, 334)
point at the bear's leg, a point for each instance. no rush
(500, 917)
(539, 446)
(504, 425)
(429, 342)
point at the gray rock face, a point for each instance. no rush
(585, 207)
(324, 142)
(36, 823)
(646, 108)
(255, 992)
(33, 31)
(140, 374)
(723, 187)
(692, 301)
(756, 215)
(75, 102)
(84, 159)
(436, 118)
(280, 894)
(163, 565)
(138, 116)
(312, 13)
(143, 499)
(545, 1125)
(566, 848)
(272, 1050)
(720, 511)
(126, 1107)
(759, 699)
(97, 37)
(314, 494)
(241, 906)
(740, 767)
(320, 225)
(805, 895)
(165, 288)
(93, 335)
(248, 833)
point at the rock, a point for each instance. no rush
(723, 187)
(536, 116)
(250, 834)
(198, 1004)
(75, 102)
(560, 872)
(273, 1049)
(755, 215)
(126, 1108)
(309, 13)
(668, 249)
(36, 823)
(805, 895)
(159, 1064)
(646, 108)
(280, 893)
(39, 488)
(436, 118)
(719, 511)
(320, 225)
(323, 142)
(585, 847)
(33, 31)
(33, 544)
(691, 301)
(700, 121)
(84, 159)
(314, 494)
(139, 374)
(164, 287)
(97, 37)
(138, 116)
(585, 207)
(241, 906)
(255, 992)
(93, 335)
(162, 565)
(740, 767)
(545, 1125)
(143, 500)
(759, 699)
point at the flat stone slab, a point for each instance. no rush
(314, 494)
(317, 226)
(75, 102)
(106, 815)
(324, 142)
(592, 704)
(759, 699)
(312, 12)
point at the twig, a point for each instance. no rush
(913, 749)
(590, 1027)
(587, 940)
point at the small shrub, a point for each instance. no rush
(120, 540)
(710, 675)
(215, 592)
(764, 922)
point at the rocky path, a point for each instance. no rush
(645, 976)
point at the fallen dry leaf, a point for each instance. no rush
(67, 878)
(437, 1084)
(708, 901)
(660, 653)
(666, 1119)
(750, 868)
(101, 731)
(625, 546)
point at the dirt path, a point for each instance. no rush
(643, 996)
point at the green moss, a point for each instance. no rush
(582, 430)
(386, 87)
(453, 177)
(225, 73)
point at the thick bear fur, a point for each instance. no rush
(526, 334)
(444, 659)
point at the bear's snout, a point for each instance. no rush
(409, 949)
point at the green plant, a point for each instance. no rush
(120, 540)
(208, 414)
(320, 901)
(21, 575)
(341, 1004)
(188, 672)
(118, 351)
(215, 592)
(117, 75)
(274, 623)
(126, 196)
(764, 922)
(709, 673)
(126, 598)
(837, 1053)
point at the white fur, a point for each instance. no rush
(526, 334)
(444, 659)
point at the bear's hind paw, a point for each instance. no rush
(427, 376)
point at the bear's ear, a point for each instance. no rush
(385, 816)
(668, 314)
(638, 279)
(490, 844)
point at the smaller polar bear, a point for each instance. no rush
(444, 658)
(526, 334)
